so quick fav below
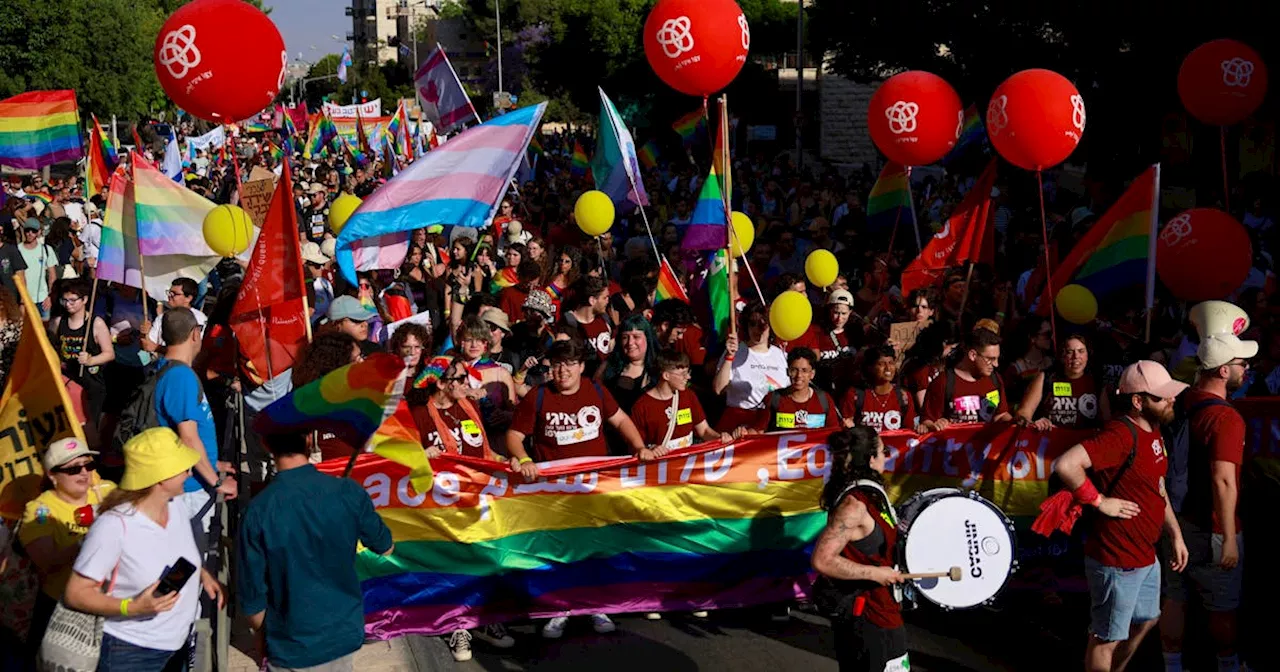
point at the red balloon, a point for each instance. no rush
(915, 118)
(1222, 82)
(696, 46)
(1035, 119)
(1203, 254)
(220, 60)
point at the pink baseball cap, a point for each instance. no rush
(1150, 378)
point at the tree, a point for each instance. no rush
(323, 81)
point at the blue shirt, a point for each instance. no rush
(297, 562)
(179, 398)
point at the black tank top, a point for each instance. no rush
(70, 342)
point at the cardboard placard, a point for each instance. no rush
(904, 334)
(255, 195)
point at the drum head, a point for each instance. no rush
(965, 532)
(916, 503)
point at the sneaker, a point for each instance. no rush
(653, 616)
(555, 627)
(699, 614)
(460, 645)
(780, 615)
(496, 635)
(602, 624)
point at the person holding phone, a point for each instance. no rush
(137, 549)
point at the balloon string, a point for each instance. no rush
(1048, 272)
(1226, 190)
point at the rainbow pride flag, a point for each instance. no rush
(505, 277)
(43, 196)
(362, 404)
(668, 286)
(706, 229)
(580, 164)
(118, 258)
(689, 125)
(972, 134)
(535, 145)
(170, 216)
(97, 175)
(109, 155)
(648, 155)
(40, 128)
(1117, 252)
(890, 201)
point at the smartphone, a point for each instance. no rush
(175, 577)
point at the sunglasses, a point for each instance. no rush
(77, 469)
(454, 379)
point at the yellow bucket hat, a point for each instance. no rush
(153, 456)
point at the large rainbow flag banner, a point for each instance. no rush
(1118, 251)
(709, 527)
(118, 259)
(40, 128)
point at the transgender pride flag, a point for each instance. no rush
(458, 183)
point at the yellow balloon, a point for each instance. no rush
(594, 212)
(1076, 304)
(228, 230)
(744, 234)
(821, 268)
(341, 210)
(790, 315)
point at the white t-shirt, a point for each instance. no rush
(154, 334)
(756, 374)
(144, 550)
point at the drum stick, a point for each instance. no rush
(954, 575)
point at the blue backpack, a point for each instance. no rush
(1177, 438)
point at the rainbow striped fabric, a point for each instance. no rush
(706, 229)
(1114, 253)
(972, 133)
(668, 286)
(170, 216)
(459, 183)
(689, 125)
(97, 175)
(109, 155)
(40, 128)
(118, 259)
(579, 164)
(363, 405)
(890, 200)
(648, 155)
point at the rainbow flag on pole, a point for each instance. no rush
(109, 155)
(97, 176)
(40, 128)
(890, 200)
(580, 164)
(1118, 251)
(707, 228)
(648, 155)
(668, 286)
(688, 126)
(118, 258)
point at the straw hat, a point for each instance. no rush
(155, 455)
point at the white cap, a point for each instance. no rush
(1219, 349)
(63, 451)
(311, 252)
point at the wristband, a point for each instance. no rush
(1086, 494)
(124, 606)
(525, 460)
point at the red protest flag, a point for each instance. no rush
(961, 240)
(270, 316)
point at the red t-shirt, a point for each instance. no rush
(832, 346)
(651, 416)
(569, 425)
(468, 437)
(971, 401)
(882, 413)
(920, 378)
(1131, 543)
(808, 339)
(692, 345)
(511, 301)
(792, 414)
(597, 336)
(1071, 404)
(1222, 429)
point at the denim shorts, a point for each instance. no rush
(1121, 598)
(118, 655)
(1218, 588)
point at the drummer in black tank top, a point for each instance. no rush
(70, 342)
(855, 556)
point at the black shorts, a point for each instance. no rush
(864, 647)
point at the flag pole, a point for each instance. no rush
(1151, 252)
(726, 182)
(915, 221)
(88, 320)
(1048, 268)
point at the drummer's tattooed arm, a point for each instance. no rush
(848, 523)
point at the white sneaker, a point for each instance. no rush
(699, 614)
(460, 645)
(555, 627)
(653, 616)
(602, 624)
(780, 614)
(496, 635)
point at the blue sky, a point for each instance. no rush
(309, 23)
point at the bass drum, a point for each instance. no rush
(943, 528)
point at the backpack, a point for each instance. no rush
(775, 400)
(949, 389)
(139, 412)
(1177, 437)
(860, 397)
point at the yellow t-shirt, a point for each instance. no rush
(50, 516)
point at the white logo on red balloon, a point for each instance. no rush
(1077, 116)
(675, 37)
(178, 51)
(746, 31)
(284, 65)
(1178, 228)
(1237, 72)
(959, 123)
(997, 115)
(902, 117)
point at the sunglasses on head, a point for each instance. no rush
(74, 470)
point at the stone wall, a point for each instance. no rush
(844, 139)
